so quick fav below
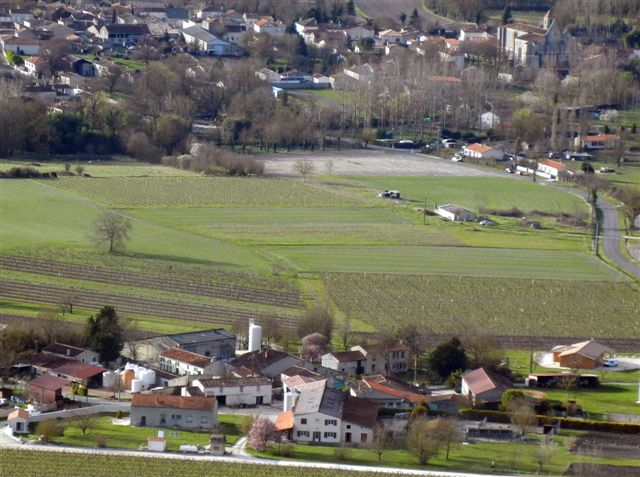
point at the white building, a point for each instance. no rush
(18, 421)
(389, 358)
(349, 362)
(329, 416)
(482, 151)
(489, 120)
(249, 391)
(269, 26)
(207, 43)
(185, 363)
(550, 169)
(454, 213)
(598, 141)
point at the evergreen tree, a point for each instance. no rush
(105, 334)
(447, 358)
(506, 14)
(350, 7)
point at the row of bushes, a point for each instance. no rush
(26, 173)
(565, 423)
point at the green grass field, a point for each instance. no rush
(457, 261)
(605, 399)
(112, 168)
(131, 437)
(474, 194)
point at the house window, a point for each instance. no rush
(189, 419)
(348, 426)
(204, 420)
(330, 435)
(303, 420)
(330, 422)
(303, 433)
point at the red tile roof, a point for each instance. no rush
(479, 148)
(173, 402)
(554, 164)
(388, 387)
(77, 369)
(284, 421)
(188, 357)
(18, 414)
(602, 138)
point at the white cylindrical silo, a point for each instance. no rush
(255, 336)
(148, 378)
(136, 386)
(108, 378)
(130, 366)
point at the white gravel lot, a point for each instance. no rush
(371, 162)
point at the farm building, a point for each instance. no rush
(216, 343)
(250, 391)
(551, 169)
(155, 410)
(72, 352)
(583, 355)
(454, 213)
(184, 363)
(598, 141)
(484, 386)
(46, 389)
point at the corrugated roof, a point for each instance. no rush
(46, 381)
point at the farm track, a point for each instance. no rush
(173, 310)
(103, 275)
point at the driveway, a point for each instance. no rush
(612, 237)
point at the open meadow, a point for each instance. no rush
(208, 251)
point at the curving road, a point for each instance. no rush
(612, 237)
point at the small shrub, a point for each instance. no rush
(119, 414)
(101, 441)
(47, 430)
(283, 449)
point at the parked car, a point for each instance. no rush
(610, 363)
(390, 194)
(449, 143)
(457, 158)
(487, 223)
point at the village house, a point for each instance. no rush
(185, 363)
(250, 391)
(454, 213)
(35, 66)
(473, 33)
(348, 362)
(270, 27)
(598, 141)
(87, 375)
(385, 358)
(484, 386)
(72, 352)
(20, 46)
(119, 33)
(551, 169)
(325, 415)
(584, 355)
(156, 410)
(482, 151)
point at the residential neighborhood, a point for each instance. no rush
(328, 237)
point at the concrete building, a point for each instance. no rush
(482, 151)
(454, 213)
(217, 343)
(46, 389)
(185, 363)
(155, 410)
(550, 169)
(348, 362)
(388, 358)
(207, 43)
(249, 391)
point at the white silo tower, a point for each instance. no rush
(255, 336)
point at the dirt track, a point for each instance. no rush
(371, 162)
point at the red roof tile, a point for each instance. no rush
(186, 357)
(172, 402)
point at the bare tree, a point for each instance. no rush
(304, 167)
(67, 301)
(415, 336)
(447, 432)
(381, 440)
(112, 230)
(85, 422)
(421, 442)
(523, 416)
(544, 454)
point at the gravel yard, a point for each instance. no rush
(371, 162)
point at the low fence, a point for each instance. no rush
(82, 411)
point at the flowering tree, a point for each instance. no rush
(313, 346)
(262, 431)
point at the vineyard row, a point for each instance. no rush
(89, 299)
(102, 275)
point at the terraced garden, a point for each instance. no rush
(509, 308)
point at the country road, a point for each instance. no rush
(612, 237)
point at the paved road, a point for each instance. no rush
(612, 237)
